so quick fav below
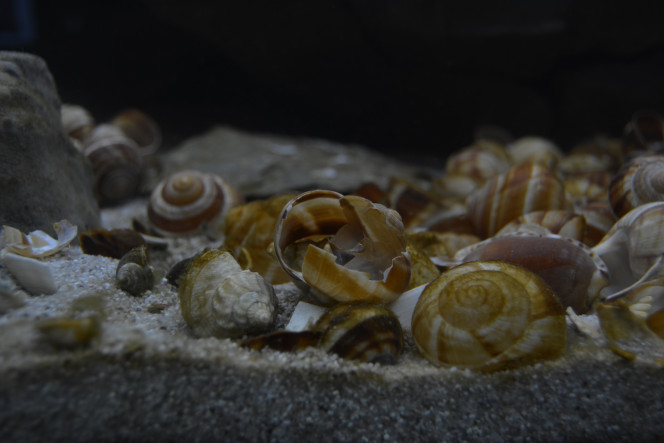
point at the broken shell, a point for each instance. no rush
(218, 298)
(114, 243)
(39, 244)
(366, 332)
(365, 257)
(34, 275)
(488, 315)
(134, 273)
(191, 202)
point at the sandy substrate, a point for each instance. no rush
(148, 378)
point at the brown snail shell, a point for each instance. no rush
(140, 128)
(116, 164)
(134, 274)
(639, 181)
(345, 248)
(488, 315)
(366, 332)
(480, 161)
(569, 267)
(414, 204)
(113, 243)
(524, 188)
(191, 202)
(534, 150)
(220, 299)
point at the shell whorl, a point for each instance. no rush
(638, 182)
(190, 201)
(488, 315)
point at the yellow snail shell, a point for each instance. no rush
(219, 299)
(191, 202)
(524, 188)
(116, 164)
(345, 248)
(488, 315)
(638, 182)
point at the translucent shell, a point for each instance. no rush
(116, 164)
(345, 248)
(638, 182)
(191, 202)
(523, 189)
(249, 236)
(569, 267)
(39, 244)
(488, 315)
(218, 298)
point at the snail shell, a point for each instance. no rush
(524, 188)
(141, 128)
(488, 315)
(191, 202)
(638, 182)
(414, 204)
(113, 243)
(569, 267)
(218, 298)
(534, 150)
(643, 134)
(345, 248)
(116, 164)
(249, 236)
(480, 161)
(366, 332)
(134, 273)
(561, 222)
(66, 332)
(77, 122)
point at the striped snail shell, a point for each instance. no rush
(524, 188)
(639, 181)
(344, 248)
(569, 267)
(219, 299)
(77, 122)
(141, 128)
(488, 315)
(134, 274)
(480, 161)
(366, 332)
(191, 202)
(534, 150)
(116, 164)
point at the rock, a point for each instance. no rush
(265, 165)
(42, 176)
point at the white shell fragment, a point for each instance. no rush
(304, 316)
(404, 306)
(35, 276)
(39, 244)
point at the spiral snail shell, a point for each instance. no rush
(345, 248)
(141, 128)
(77, 122)
(488, 315)
(191, 202)
(639, 181)
(116, 164)
(219, 299)
(134, 274)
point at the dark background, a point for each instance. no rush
(410, 78)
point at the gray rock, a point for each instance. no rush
(42, 176)
(265, 165)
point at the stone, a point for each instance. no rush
(43, 178)
(265, 165)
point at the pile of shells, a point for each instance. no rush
(118, 151)
(484, 265)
